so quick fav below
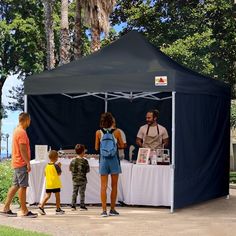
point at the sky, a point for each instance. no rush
(11, 121)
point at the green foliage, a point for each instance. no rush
(22, 37)
(23, 41)
(171, 25)
(9, 231)
(193, 52)
(233, 115)
(112, 36)
(198, 34)
(3, 112)
(6, 174)
(232, 177)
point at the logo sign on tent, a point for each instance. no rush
(160, 80)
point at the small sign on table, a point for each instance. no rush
(41, 152)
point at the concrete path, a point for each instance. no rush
(213, 218)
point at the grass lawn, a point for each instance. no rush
(8, 231)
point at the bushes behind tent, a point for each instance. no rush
(6, 180)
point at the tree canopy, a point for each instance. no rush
(199, 34)
(23, 42)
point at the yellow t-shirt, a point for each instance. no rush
(52, 178)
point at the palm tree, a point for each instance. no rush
(96, 14)
(78, 31)
(48, 11)
(64, 36)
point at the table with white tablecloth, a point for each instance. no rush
(138, 184)
(36, 189)
(150, 185)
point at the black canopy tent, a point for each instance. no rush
(65, 105)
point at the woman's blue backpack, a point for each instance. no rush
(108, 147)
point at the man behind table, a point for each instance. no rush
(152, 135)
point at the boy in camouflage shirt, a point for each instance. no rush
(79, 167)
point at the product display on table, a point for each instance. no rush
(143, 156)
(153, 156)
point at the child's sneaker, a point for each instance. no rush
(41, 211)
(73, 208)
(104, 214)
(83, 208)
(59, 211)
(113, 213)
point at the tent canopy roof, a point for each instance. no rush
(129, 64)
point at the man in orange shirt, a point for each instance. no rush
(21, 166)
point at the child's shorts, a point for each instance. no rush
(53, 190)
(109, 165)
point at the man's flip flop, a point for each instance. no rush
(8, 213)
(30, 215)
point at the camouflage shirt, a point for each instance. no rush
(79, 167)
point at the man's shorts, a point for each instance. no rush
(109, 165)
(21, 177)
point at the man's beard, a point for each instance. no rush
(150, 122)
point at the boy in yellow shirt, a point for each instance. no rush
(53, 183)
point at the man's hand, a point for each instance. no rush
(166, 142)
(28, 167)
(24, 154)
(139, 142)
(59, 164)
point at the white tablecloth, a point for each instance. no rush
(36, 189)
(150, 185)
(138, 184)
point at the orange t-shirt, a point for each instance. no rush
(117, 136)
(19, 137)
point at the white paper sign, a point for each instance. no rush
(41, 152)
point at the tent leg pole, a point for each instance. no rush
(25, 103)
(173, 153)
(106, 102)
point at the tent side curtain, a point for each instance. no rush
(62, 122)
(202, 148)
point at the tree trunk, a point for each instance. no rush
(95, 33)
(64, 36)
(95, 44)
(1, 85)
(78, 31)
(234, 89)
(48, 12)
(2, 81)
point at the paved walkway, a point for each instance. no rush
(213, 218)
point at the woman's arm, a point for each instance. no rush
(97, 140)
(120, 142)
